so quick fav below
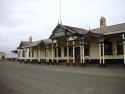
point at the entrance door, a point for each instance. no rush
(3, 57)
(77, 54)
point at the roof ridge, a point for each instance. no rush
(24, 41)
(36, 41)
(109, 26)
(74, 27)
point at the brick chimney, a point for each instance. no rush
(102, 22)
(30, 39)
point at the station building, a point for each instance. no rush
(2, 56)
(77, 46)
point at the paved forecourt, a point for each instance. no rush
(16, 78)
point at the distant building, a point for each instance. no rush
(77, 46)
(2, 56)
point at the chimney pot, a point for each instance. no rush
(30, 39)
(102, 22)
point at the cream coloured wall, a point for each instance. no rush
(114, 46)
(1, 56)
(50, 54)
(27, 53)
(114, 50)
(35, 53)
(94, 52)
(42, 53)
(94, 49)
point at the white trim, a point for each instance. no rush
(73, 52)
(123, 36)
(52, 53)
(103, 54)
(83, 56)
(80, 53)
(100, 55)
(57, 59)
(67, 52)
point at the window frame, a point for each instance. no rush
(120, 49)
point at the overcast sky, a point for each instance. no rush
(20, 19)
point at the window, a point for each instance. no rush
(55, 52)
(32, 53)
(29, 53)
(86, 50)
(59, 52)
(119, 47)
(70, 51)
(65, 51)
(45, 52)
(107, 47)
(23, 53)
(19, 53)
(37, 53)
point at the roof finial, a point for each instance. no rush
(58, 21)
(30, 39)
(41, 38)
(60, 18)
(89, 29)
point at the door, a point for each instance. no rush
(77, 54)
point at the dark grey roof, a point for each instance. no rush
(23, 44)
(114, 29)
(110, 29)
(35, 43)
(76, 30)
(15, 51)
(2, 53)
(47, 41)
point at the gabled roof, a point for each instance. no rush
(26, 44)
(76, 29)
(119, 28)
(2, 53)
(47, 41)
(15, 51)
(35, 43)
(114, 29)
(73, 30)
(23, 44)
